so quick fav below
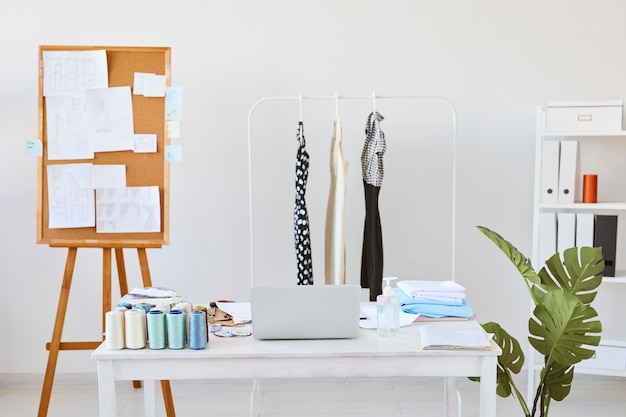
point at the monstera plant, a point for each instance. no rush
(563, 327)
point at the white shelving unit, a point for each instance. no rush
(610, 358)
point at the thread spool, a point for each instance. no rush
(201, 308)
(114, 329)
(146, 307)
(590, 188)
(186, 308)
(165, 308)
(176, 329)
(206, 315)
(197, 330)
(135, 328)
(156, 329)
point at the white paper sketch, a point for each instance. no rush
(139, 82)
(66, 127)
(108, 176)
(70, 198)
(68, 73)
(128, 210)
(110, 121)
(145, 143)
(154, 86)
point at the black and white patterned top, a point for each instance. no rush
(373, 151)
(302, 234)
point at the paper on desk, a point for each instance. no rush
(452, 337)
(240, 312)
(153, 295)
(370, 321)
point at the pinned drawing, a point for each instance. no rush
(70, 198)
(110, 124)
(128, 210)
(68, 73)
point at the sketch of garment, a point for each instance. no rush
(128, 210)
(302, 235)
(102, 118)
(335, 242)
(372, 169)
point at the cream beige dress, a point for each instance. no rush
(335, 242)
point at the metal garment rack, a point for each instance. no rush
(336, 98)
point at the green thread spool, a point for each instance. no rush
(176, 324)
(156, 329)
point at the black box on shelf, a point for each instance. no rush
(605, 236)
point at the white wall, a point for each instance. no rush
(495, 60)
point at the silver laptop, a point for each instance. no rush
(305, 311)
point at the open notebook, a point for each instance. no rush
(305, 311)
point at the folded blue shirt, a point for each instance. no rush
(433, 309)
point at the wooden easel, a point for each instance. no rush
(144, 169)
(56, 345)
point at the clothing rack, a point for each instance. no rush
(373, 97)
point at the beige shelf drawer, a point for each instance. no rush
(607, 357)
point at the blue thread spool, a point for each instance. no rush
(145, 306)
(176, 329)
(197, 330)
(156, 329)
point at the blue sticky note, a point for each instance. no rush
(173, 103)
(173, 153)
(34, 147)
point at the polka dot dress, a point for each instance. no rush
(302, 234)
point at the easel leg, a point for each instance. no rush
(106, 285)
(147, 282)
(121, 271)
(55, 343)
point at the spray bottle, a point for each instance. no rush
(388, 310)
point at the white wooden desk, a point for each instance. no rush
(245, 357)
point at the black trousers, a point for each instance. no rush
(372, 254)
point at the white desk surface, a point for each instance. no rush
(249, 358)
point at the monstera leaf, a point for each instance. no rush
(579, 274)
(521, 262)
(559, 381)
(511, 359)
(564, 324)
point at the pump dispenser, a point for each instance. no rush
(388, 310)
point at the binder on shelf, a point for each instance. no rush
(585, 225)
(550, 171)
(568, 167)
(566, 231)
(605, 236)
(547, 237)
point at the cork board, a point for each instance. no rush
(142, 169)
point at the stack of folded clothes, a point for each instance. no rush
(434, 299)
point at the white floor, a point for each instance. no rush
(76, 395)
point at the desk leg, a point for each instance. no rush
(451, 404)
(106, 389)
(256, 388)
(149, 398)
(488, 387)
